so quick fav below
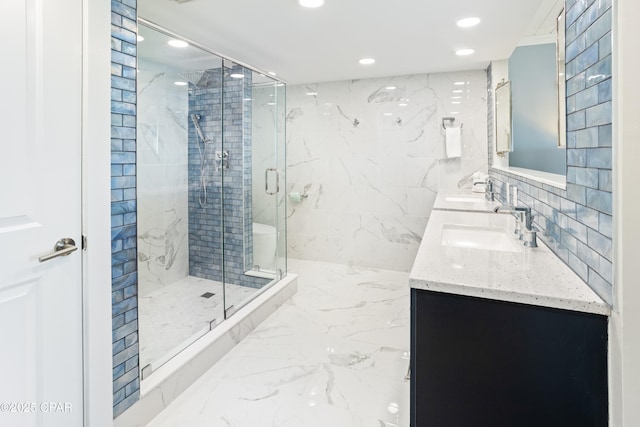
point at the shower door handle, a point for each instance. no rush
(266, 181)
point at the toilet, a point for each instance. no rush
(264, 245)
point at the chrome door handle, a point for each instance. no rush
(63, 247)
(266, 181)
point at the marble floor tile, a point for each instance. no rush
(335, 355)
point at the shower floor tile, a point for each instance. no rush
(335, 355)
(174, 316)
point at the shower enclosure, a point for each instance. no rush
(210, 169)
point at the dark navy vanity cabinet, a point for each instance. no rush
(485, 363)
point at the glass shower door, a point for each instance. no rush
(210, 191)
(253, 185)
(179, 196)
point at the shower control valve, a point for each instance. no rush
(222, 160)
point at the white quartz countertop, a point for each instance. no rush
(463, 201)
(533, 276)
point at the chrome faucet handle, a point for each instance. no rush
(519, 224)
(489, 194)
(529, 239)
(527, 217)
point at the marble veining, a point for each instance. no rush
(335, 355)
(532, 276)
(372, 160)
(162, 179)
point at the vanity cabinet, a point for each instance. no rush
(489, 363)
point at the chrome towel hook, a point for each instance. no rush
(450, 120)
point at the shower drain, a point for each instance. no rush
(207, 295)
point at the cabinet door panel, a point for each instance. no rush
(480, 362)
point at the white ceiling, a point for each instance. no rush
(316, 45)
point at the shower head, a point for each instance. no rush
(199, 78)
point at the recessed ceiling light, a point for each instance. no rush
(271, 103)
(247, 99)
(472, 21)
(312, 93)
(455, 112)
(455, 102)
(180, 83)
(140, 38)
(178, 43)
(457, 91)
(388, 114)
(458, 83)
(311, 3)
(236, 76)
(391, 87)
(403, 104)
(464, 52)
(456, 97)
(367, 61)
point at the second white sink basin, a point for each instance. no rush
(478, 237)
(465, 199)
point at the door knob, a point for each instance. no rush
(63, 247)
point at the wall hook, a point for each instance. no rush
(450, 120)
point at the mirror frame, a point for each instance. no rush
(503, 117)
(561, 80)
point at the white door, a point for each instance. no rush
(40, 183)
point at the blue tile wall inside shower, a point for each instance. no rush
(126, 381)
(577, 222)
(225, 118)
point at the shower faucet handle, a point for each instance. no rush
(222, 160)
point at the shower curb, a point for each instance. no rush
(178, 374)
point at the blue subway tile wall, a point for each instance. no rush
(247, 174)
(205, 209)
(576, 222)
(126, 382)
(220, 229)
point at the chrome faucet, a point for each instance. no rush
(524, 223)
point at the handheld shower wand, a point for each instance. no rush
(196, 123)
(195, 118)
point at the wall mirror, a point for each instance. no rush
(503, 117)
(536, 137)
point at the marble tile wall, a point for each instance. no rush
(162, 156)
(576, 223)
(372, 160)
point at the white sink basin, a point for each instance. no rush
(463, 199)
(478, 237)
